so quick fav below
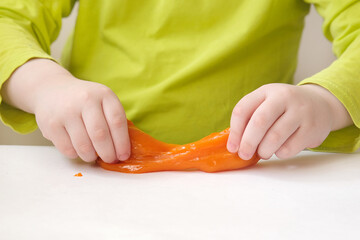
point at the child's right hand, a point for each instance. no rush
(83, 119)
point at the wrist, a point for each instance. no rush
(22, 89)
(339, 114)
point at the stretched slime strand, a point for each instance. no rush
(209, 154)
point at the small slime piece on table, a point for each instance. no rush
(209, 154)
(78, 175)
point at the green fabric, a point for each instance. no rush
(27, 29)
(342, 78)
(179, 67)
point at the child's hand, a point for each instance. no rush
(81, 118)
(284, 119)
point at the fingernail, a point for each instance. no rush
(244, 155)
(124, 157)
(231, 148)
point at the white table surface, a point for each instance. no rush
(311, 196)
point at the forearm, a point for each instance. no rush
(22, 88)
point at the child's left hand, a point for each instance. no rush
(284, 119)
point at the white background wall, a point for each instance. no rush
(315, 55)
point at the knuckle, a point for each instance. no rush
(274, 137)
(100, 134)
(53, 123)
(104, 90)
(266, 87)
(260, 120)
(117, 120)
(84, 96)
(85, 148)
(237, 111)
(286, 92)
(234, 135)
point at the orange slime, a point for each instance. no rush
(150, 155)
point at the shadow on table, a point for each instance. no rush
(308, 166)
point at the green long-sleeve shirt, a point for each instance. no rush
(179, 67)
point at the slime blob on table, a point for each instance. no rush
(209, 154)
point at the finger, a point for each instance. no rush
(117, 122)
(278, 133)
(61, 140)
(81, 141)
(240, 117)
(293, 145)
(97, 128)
(260, 122)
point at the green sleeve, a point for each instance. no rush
(27, 28)
(342, 78)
